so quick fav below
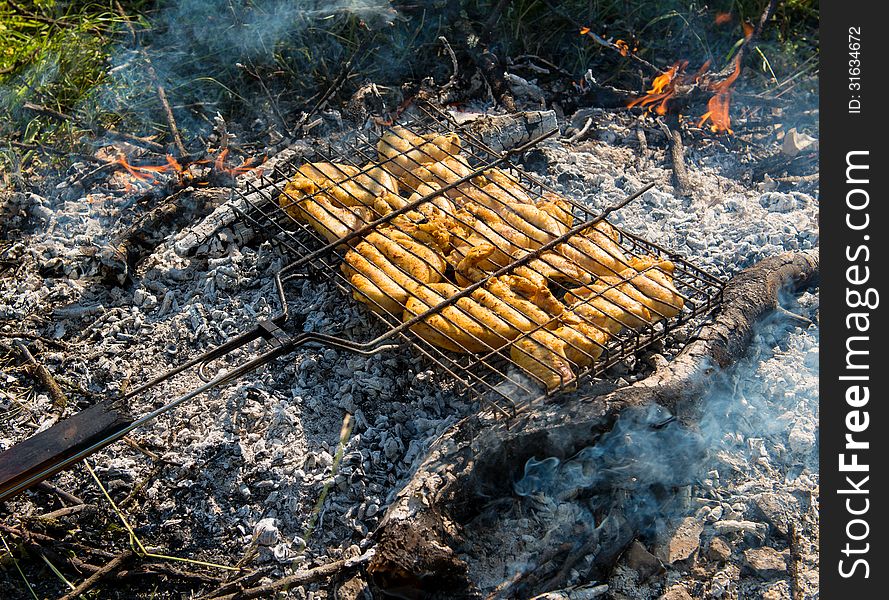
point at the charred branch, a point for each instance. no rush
(46, 379)
(476, 457)
(113, 565)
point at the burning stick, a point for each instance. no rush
(718, 106)
(663, 87)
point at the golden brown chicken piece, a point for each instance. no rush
(549, 267)
(541, 354)
(551, 356)
(345, 185)
(605, 306)
(439, 205)
(496, 198)
(653, 287)
(377, 181)
(389, 263)
(434, 231)
(438, 175)
(584, 344)
(497, 238)
(331, 221)
(488, 319)
(400, 151)
(559, 208)
(596, 250)
(466, 326)
(321, 196)
(503, 186)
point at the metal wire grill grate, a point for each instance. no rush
(513, 291)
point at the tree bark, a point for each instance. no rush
(476, 459)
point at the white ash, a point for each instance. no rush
(260, 451)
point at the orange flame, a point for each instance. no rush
(722, 18)
(663, 87)
(584, 30)
(718, 106)
(623, 47)
(148, 173)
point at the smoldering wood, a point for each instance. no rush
(175, 212)
(477, 457)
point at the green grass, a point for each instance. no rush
(246, 58)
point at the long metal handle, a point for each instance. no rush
(87, 432)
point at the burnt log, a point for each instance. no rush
(475, 459)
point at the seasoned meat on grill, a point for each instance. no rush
(604, 305)
(559, 209)
(401, 151)
(596, 250)
(495, 239)
(440, 174)
(550, 356)
(332, 221)
(465, 326)
(650, 281)
(343, 185)
(337, 199)
(549, 267)
(541, 354)
(488, 319)
(387, 264)
(496, 188)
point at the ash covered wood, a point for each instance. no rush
(477, 458)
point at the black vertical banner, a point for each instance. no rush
(854, 248)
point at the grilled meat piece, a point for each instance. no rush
(344, 185)
(541, 354)
(488, 319)
(510, 233)
(650, 281)
(439, 174)
(604, 305)
(401, 151)
(337, 199)
(596, 250)
(465, 326)
(330, 220)
(387, 264)
(550, 356)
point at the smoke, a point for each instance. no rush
(235, 57)
(760, 417)
(646, 453)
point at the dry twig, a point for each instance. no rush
(112, 565)
(299, 578)
(161, 92)
(45, 378)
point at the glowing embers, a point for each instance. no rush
(197, 172)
